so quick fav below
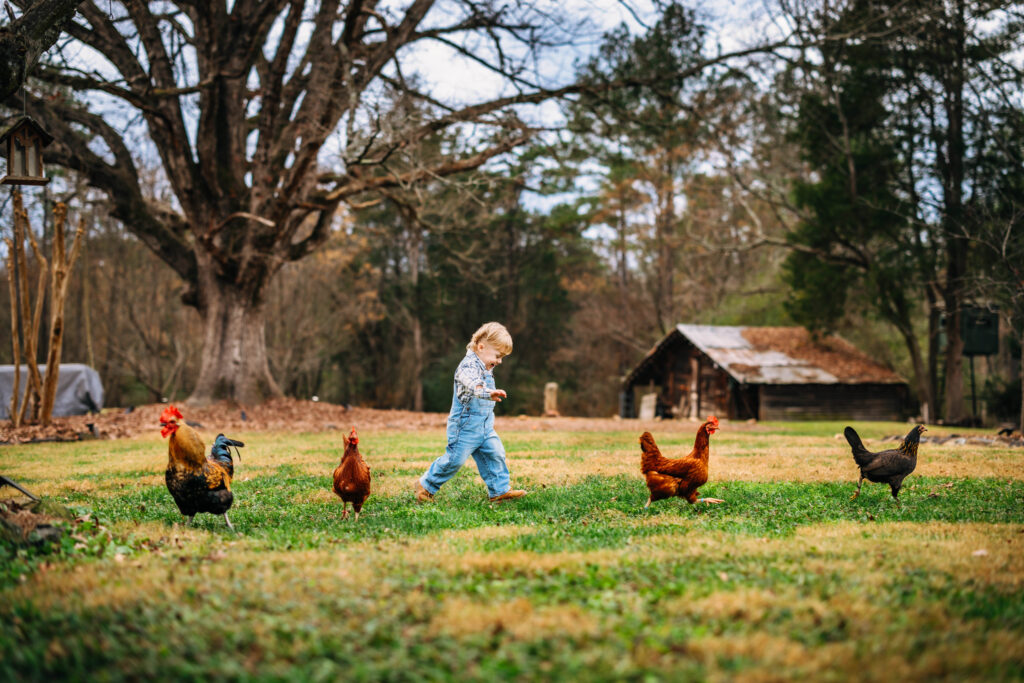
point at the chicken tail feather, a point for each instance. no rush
(650, 455)
(221, 452)
(860, 453)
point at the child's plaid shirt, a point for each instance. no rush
(471, 379)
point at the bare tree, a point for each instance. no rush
(240, 104)
(28, 37)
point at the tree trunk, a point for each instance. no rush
(920, 373)
(234, 364)
(664, 287)
(417, 361)
(953, 408)
(12, 280)
(63, 263)
(934, 317)
(957, 245)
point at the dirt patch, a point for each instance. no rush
(518, 618)
(293, 415)
(280, 414)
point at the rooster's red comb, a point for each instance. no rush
(713, 420)
(170, 413)
(352, 437)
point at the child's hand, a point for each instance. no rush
(497, 395)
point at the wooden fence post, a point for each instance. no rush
(551, 399)
(62, 266)
(29, 324)
(37, 322)
(15, 343)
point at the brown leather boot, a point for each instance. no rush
(422, 495)
(508, 495)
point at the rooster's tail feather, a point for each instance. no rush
(860, 453)
(221, 452)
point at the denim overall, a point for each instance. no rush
(471, 432)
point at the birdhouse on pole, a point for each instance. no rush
(23, 142)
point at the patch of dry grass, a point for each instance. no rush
(517, 619)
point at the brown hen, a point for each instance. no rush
(352, 477)
(668, 477)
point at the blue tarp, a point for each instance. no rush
(79, 390)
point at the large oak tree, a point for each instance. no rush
(241, 99)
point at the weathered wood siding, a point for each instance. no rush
(669, 375)
(831, 402)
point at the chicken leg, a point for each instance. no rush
(229, 522)
(859, 482)
(710, 500)
(895, 488)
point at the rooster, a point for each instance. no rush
(667, 477)
(197, 483)
(352, 477)
(885, 467)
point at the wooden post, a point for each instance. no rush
(694, 388)
(37, 321)
(15, 344)
(62, 266)
(551, 399)
(29, 325)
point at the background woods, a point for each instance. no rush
(860, 175)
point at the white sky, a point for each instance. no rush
(452, 78)
(735, 23)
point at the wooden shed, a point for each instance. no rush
(768, 373)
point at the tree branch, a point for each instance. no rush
(28, 37)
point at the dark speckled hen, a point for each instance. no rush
(885, 467)
(197, 483)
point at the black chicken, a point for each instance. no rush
(885, 467)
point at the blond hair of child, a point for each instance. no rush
(494, 334)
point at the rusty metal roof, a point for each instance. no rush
(778, 355)
(786, 355)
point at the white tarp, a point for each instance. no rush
(79, 390)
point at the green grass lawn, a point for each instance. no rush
(788, 578)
